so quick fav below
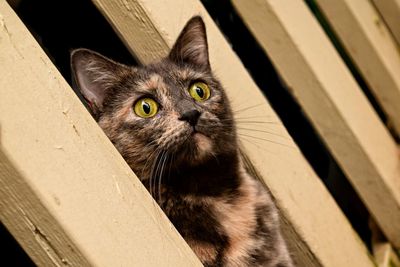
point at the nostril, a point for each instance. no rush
(191, 116)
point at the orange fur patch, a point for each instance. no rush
(239, 220)
(204, 251)
(203, 143)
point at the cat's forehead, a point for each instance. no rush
(151, 81)
(168, 72)
(164, 78)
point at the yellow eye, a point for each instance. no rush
(146, 107)
(199, 91)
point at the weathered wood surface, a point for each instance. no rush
(390, 10)
(65, 192)
(319, 233)
(329, 95)
(372, 48)
(385, 255)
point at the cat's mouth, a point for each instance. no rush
(195, 130)
(193, 144)
(198, 129)
(198, 133)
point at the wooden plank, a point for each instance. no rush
(382, 250)
(372, 48)
(331, 98)
(65, 192)
(385, 256)
(390, 10)
(318, 233)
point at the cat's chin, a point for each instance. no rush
(203, 144)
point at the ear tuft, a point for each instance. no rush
(191, 45)
(94, 74)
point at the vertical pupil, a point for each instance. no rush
(200, 92)
(146, 107)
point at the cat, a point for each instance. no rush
(172, 122)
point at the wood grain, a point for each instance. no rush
(390, 10)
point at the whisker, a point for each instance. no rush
(245, 121)
(256, 144)
(252, 117)
(154, 171)
(155, 175)
(172, 158)
(160, 177)
(159, 165)
(263, 131)
(239, 102)
(247, 108)
(152, 187)
(267, 140)
(148, 161)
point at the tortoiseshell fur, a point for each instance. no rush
(195, 173)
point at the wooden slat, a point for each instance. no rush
(382, 250)
(331, 98)
(385, 256)
(318, 233)
(65, 192)
(372, 48)
(390, 10)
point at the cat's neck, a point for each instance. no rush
(217, 176)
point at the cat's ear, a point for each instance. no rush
(94, 74)
(191, 45)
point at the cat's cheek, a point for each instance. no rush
(203, 143)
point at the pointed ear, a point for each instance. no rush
(191, 45)
(94, 74)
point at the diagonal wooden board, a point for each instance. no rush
(390, 10)
(319, 233)
(331, 98)
(372, 48)
(65, 192)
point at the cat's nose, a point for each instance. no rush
(191, 116)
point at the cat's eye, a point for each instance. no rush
(146, 107)
(199, 91)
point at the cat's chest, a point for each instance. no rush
(217, 228)
(195, 218)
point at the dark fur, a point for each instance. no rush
(199, 180)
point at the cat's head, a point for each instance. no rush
(174, 107)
